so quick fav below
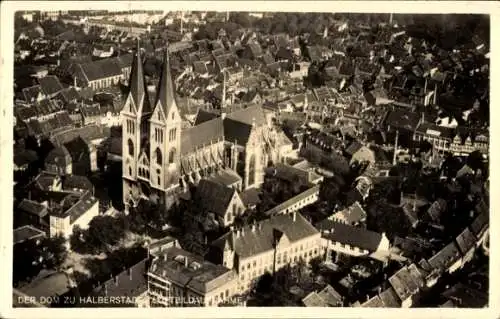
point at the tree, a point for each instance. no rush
(26, 262)
(54, 251)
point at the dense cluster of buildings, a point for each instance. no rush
(208, 120)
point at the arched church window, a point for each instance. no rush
(130, 171)
(171, 156)
(130, 147)
(159, 159)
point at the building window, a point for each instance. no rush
(159, 181)
(158, 156)
(130, 171)
(255, 263)
(227, 293)
(171, 156)
(130, 147)
(173, 115)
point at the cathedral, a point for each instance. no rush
(161, 159)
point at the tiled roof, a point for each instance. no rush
(24, 156)
(374, 302)
(406, 282)
(47, 284)
(203, 134)
(349, 235)
(389, 298)
(250, 243)
(436, 130)
(80, 207)
(331, 296)
(199, 275)
(250, 197)
(214, 197)
(235, 131)
(33, 207)
(100, 69)
(445, 257)
(226, 177)
(26, 232)
(353, 214)
(289, 203)
(72, 182)
(50, 84)
(401, 119)
(59, 156)
(314, 300)
(465, 241)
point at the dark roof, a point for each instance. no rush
(80, 207)
(353, 214)
(235, 131)
(204, 116)
(374, 302)
(250, 197)
(72, 182)
(353, 147)
(24, 156)
(226, 177)
(290, 202)
(445, 257)
(26, 232)
(59, 156)
(248, 115)
(32, 207)
(198, 275)
(436, 130)
(250, 243)
(465, 241)
(349, 235)
(69, 94)
(402, 119)
(214, 197)
(389, 298)
(50, 85)
(100, 69)
(201, 135)
(466, 297)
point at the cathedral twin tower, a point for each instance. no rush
(151, 136)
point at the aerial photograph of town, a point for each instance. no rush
(250, 159)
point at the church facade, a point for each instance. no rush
(160, 159)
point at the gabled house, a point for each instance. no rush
(221, 201)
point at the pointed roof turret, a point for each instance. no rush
(137, 85)
(166, 91)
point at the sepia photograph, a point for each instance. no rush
(198, 158)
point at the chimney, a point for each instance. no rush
(254, 227)
(242, 231)
(74, 81)
(231, 228)
(186, 261)
(165, 256)
(294, 216)
(223, 115)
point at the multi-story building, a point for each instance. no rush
(81, 210)
(460, 141)
(266, 247)
(178, 278)
(160, 158)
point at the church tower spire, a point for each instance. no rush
(166, 92)
(137, 86)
